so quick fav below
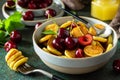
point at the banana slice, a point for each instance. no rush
(70, 53)
(10, 53)
(93, 50)
(51, 49)
(19, 62)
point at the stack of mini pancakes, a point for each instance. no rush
(14, 59)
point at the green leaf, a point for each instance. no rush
(48, 32)
(14, 22)
(1, 24)
(2, 36)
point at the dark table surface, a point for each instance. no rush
(26, 46)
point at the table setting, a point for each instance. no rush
(61, 44)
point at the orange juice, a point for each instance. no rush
(104, 9)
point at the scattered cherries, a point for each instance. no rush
(50, 13)
(34, 4)
(10, 4)
(116, 65)
(9, 45)
(15, 36)
(37, 25)
(28, 15)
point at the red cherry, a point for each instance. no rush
(23, 3)
(85, 40)
(37, 25)
(9, 45)
(42, 5)
(58, 43)
(116, 65)
(70, 43)
(50, 13)
(79, 53)
(28, 15)
(32, 6)
(15, 36)
(10, 4)
(48, 2)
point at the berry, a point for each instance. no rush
(37, 25)
(116, 65)
(23, 3)
(28, 15)
(58, 43)
(85, 40)
(10, 4)
(79, 53)
(32, 6)
(70, 43)
(63, 33)
(9, 45)
(50, 13)
(15, 36)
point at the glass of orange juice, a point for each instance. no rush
(104, 9)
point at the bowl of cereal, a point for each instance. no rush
(69, 46)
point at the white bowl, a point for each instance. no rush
(37, 12)
(73, 65)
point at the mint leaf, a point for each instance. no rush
(14, 22)
(1, 24)
(48, 32)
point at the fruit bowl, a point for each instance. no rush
(73, 65)
(38, 11)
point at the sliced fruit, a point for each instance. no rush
(92, 31)
(100, 39)
(66, 24)
(76, 32)
(92, 50)
(51, 49)
(109, 47)
(45, 38)
(70, 53)
(85, 40)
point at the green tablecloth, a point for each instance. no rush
(26, 46)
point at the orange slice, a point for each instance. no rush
(93, 50)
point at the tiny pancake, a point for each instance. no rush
(14, 56)
(13, 62)
(19, 62)
(10, 53)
